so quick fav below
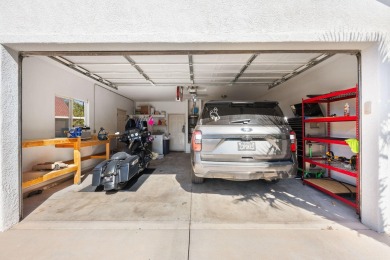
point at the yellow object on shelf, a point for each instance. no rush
(353, 144)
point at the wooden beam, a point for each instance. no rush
(77, 160)
(49, 175)
(108, 150)
(92, 156)
(46, 142)
(85, 143)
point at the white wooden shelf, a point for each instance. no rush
(155, 116)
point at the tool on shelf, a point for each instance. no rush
(351, 161)
(83, 132)
(75, 132)
(49, 166)
(103, 134)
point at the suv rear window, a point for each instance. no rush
(241, 108)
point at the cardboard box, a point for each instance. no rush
(145, 110)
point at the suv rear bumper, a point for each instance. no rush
(247, 171)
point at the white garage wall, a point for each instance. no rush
(44, 79)
(339, 72)
(336, 74)
(375, 148)
(106, 105)
(173, 107)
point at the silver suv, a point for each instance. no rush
(242, 141)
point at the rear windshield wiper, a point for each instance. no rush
(241, 121)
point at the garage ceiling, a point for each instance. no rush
(155, 77)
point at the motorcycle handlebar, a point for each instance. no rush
(135, 134)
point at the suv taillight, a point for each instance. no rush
(196, 142)
(293, 142)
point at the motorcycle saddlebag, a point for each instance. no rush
(97, 173)
(128, 168)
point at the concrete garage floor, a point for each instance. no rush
(163, 216)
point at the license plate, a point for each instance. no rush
(246, 146)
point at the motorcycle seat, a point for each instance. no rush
(120, 156)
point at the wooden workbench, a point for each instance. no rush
(37, 177)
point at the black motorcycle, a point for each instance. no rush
(115, 173)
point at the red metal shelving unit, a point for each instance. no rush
(323, 162)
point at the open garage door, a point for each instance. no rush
(103, 83)
(154, 75)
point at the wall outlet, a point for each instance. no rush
(367, 107)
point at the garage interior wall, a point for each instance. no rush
(173, 107)
(43, 79)
(323, 79)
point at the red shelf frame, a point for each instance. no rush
(324, 164)
(329, 98)
(331, 119)
(334, 96)
(348, 202)
(327, 140)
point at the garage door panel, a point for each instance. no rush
(272, 67)
(173, 81)
(150, 68)
(217, 68)
(255, 80)
(110, 68)
(115, 75)
(275, 74)
(285, 57)
(129, 81)
(214, 78)
(208, 74)
(168, 74)
(160, 59)
(96, 59)
(214, 81)
(221, 58)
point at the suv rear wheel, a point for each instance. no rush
(195, 179)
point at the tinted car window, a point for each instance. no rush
(241, 108)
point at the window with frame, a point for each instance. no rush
(69, 113)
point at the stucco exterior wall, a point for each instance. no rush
(375, 146)
(122, 21)
(9, 139)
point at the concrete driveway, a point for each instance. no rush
(163, 216)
